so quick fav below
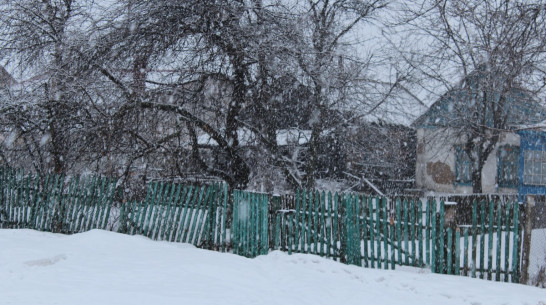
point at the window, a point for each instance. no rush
(534, 167)
(463, 166)
(507, 160)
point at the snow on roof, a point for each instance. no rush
(290, 136)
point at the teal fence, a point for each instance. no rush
(54, 202)
(180, 213)
(375, 232)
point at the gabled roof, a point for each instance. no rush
(456, 105)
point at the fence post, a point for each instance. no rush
(528, 227)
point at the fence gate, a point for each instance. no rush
(484, 244)
(249, 226)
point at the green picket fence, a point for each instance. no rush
(487, 248)
(180, 213)
(352, 228)
(53, 202)
(356, 229)
(249, 226)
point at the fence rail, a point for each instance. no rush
(376, 232)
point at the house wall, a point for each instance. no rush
(435, 162)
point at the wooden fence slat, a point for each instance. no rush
(490, 241)
(457, 251)
(434, 237)
(385, 232)
(181, 215)
(399, 230)
(482, 239)
(412, 234)
(336, 230)
(224, 218)
(420, 232)
(330, 222)
(499, 239)
(474, 237)
(465, 253)
(156, 208)
(442, 232)
(323, 242)
(449, 249)
(507, 242)
(515, 251)
(428, 223)
(406, 232)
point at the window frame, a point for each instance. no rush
(465, 165)
(503, 162)
(535, 175)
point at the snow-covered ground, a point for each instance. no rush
(100, 267)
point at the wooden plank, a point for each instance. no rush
(449, 251)
(108, 202)
(412, 233)
(191, 207)
(316, 220)
(434, 237)
(474, 237)
(323, 242)
(490, 241)
(420, 231)
(167, 224)
(329, 220)
(482, 239)
(68, 206)
(384, 208)
(155, 208)
(298, 218)
(427, 230)
(98, 202)
(145, 204)
(378, 231)
(515, 251)
(442, 232)
(162, 203)
(35, 202)
(90, 203)
(372, 232)
(180, 204)
(26, 200)
(198, 217)
(224, 217)
(264, 208)
(304, 222)
(457, 251)
(399, 230)
(507, 242)
(51, 203)
(465, 253)
(235, 223)
(499, 239)
(406, 232)
(78, 215)
(335, 228)
(365, 232)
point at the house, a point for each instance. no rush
(444, 131)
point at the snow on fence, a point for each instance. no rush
(376, 232)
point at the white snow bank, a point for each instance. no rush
(100, 267)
